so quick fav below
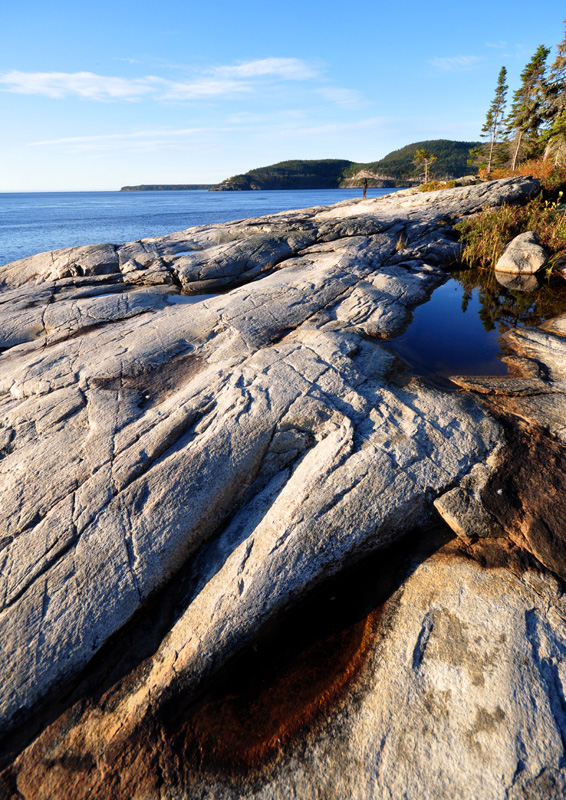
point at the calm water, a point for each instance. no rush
(34, 222)
(458, 331)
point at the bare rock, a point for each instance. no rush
(463, 510)
(467, 180)
(187, 478)
(559, 267)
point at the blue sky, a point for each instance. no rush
(95, 96)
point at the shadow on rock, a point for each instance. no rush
(295, 673)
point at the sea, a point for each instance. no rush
(34, 222)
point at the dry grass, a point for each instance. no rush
(401, 242)
(552, 179)
(486, 235)
(433, 186)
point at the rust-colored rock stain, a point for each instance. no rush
(245, 728)
(261, 703)
(294, 674)
(527, 492)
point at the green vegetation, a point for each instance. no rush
(530, 141)
(535, 127)
(434, 186)
(396, 168)
(527, 113)
(424, 158)
(451, 160)
(485, 235)
(323, 174)
(487, 154)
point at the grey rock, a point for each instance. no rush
(467, 180)
(523, 255)
(462, 508)
(247, 447)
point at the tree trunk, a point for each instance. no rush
(516, 153)
(490, 156)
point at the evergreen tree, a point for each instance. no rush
(555, 139)
(555, 95)
(426, 158)
(526, 115)
(494, 120)
(555, 106)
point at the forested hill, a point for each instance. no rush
(396, 167)
(323, 174)
(452, 159)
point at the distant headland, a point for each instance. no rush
(397, 169)
(163, 187)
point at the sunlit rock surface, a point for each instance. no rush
(523, 255)
(202, 435)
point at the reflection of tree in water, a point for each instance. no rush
(502, 309)
(466, 297)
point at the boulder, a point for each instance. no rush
(467, 180)
(523, 255)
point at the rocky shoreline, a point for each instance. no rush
(245, 553)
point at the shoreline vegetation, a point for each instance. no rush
(529, 140)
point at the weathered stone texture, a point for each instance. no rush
(180, 473)
(523, 255)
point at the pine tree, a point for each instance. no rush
(526, 115)
(555, 106)
(494, 119)
(426, 158)
(555, 139)
(556, 83)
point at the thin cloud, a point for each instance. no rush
(139, 141)
(249, 118)
(501, 45)
(216, 82)
(246, 118)
(119, 136)
(81, 84)
(456, 63)
(347, 98)
(290, 69)
(175, 90)
(101, 87)
(376, 123)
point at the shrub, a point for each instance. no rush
(433, 186)
(552, 178)
(486, 234)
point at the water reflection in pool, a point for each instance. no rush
(458, 331)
